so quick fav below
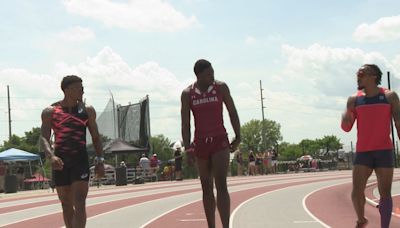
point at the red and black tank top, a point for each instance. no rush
(69, 131)
(207, 111)
(373, 122)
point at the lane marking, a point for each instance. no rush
(316, 190)
(167, 212)
(233, 214)
(305, 221)
(191, 220)
(375, 202)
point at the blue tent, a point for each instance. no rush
(18, 155)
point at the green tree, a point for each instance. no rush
(29, 142)
(159, 145)
(310, 147)
(32, 137)
(330, 143)
(260, 135)
(288, 151)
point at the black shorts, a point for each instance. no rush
(178, 165)
(69, 174)
(375, 159)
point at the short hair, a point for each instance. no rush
(201, 65)
(68, 80)
(374, 70)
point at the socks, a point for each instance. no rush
(385, 209)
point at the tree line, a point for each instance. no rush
(257, 135)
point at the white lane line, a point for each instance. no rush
(173, 209)
(319, 189)
(250, 199)
(183, 205)
(191, 220)
(301, 222)
(277, 178)
(240, 205)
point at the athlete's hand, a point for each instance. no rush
(57, 163)
(99, 170)
(234, 144)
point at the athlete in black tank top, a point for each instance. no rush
(68, 119)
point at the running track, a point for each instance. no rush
(319, 199)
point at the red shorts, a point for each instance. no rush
(204, 148)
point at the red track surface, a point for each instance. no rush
(331, 205)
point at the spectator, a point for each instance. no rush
(252, 163)
(20, 177)
(239, 162)
(154, 164)
(178, 163)
(144, 164)
(168, 171)
(274, 159)
(259, 161)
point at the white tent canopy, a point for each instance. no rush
(17, 155)
(20, 155)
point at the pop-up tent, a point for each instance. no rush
(20, 155)
(119, 146)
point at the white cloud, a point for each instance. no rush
(396, 65)
(307, 99)
(105, 72)
(384, 29)
(328, 70)
(309, 93)
(250, 40)
(148, 15)
(76, 34)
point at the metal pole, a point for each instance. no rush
(9, 113)
(148, 130)
(391, 125)
(262, 102)
(114, 116)
(119, 121)
(263, 118)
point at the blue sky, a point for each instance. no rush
(305, 52)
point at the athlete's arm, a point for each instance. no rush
(234, 117)
(348, 117)
(94, 131)
(393, 99)
(185, 118)
(45, 134)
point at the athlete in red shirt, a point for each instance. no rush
(373, 108)
(69, 119)
(205, 99)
